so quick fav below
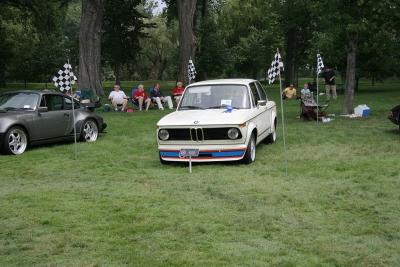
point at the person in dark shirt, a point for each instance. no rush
(330, 83)
(159, 98)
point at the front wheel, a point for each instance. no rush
(250, 155)
(15, 141)
(89, 131)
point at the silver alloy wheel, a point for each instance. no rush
(17, 141)
(90, 131)
(252, 149)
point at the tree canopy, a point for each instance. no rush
(225, 38)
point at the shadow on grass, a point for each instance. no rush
(393, 131)
(67, 141)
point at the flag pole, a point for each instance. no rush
(283, 120)
(317, 91)
(73, 111)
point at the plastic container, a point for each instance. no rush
(362, 110)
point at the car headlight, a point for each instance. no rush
(163, 134)
(233, 133)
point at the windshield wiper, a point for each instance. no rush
(221, 106)
(190, 107)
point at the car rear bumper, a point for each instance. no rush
(103, 127)
(206, 153)
(394, 118)
(1, 140)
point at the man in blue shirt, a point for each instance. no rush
(159, 98)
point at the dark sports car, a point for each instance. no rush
(37, 117)
(394, 115)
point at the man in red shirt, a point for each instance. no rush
(141, 97)
(177, 92)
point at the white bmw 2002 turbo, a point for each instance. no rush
(223, 119)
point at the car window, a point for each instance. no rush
(255, 94)
(52, 102)
(68, 103)
(43, 102)
(19, 101)
(263, 95)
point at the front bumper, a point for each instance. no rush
(207, 153)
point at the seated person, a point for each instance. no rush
(305, 92)
(159, 98)
(141, 97)
(177, 92)
(118, 97)
(289, 92)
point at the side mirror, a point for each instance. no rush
(261, 102)
(43, 109)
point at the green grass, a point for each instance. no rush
(116, 205)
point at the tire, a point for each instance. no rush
(89, 131)
(271, 138)
(15, 141)
(250, 154)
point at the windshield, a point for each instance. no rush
(19, 101)
(215, 96)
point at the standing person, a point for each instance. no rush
(118, 97)
(177, 92)
(289, 92)
(141, 97)
(330, 83)
(159, 98)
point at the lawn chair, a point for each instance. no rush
(89, 100)
(309, 110)
(136, 103)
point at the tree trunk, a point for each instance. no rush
(290, 61)
(186, 9)
(90, 46)
(117, 74)
(350, 76)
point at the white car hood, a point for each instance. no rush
(205, 117)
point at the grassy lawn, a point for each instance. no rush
(116, 205)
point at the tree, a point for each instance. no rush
(123, 27)
(352, 21)
(250, 36)
(34, 38)
(212, 55)
(187, 41)
(90, 46)
(158, 50)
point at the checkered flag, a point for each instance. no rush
(65, 78)
(320, 64)
(275, 68)
(191, 70)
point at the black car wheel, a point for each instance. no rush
(89, 131)
(15, 141)
(250, 154)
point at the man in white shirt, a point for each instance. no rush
(118, 97)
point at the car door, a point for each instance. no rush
(269, 107)
(53, 123)
(260, 113)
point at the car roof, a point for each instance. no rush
(34, 92)
(224, 81)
